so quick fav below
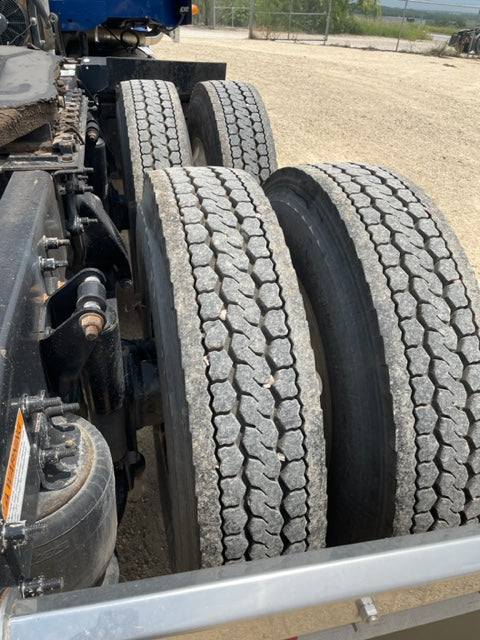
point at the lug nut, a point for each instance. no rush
(92, 325)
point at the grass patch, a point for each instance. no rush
(445, 30)
(442, 50)
(385, 28)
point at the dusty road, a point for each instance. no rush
(415, 113)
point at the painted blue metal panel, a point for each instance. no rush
(81, 15)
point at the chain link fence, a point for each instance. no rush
(272, 19)
(415, 25)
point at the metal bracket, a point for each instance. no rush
(367, 609)
(66, 347)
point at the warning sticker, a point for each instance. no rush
(16, 476)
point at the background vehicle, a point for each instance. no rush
(466, 40)
(224, 365)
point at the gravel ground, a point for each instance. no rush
(415, 113)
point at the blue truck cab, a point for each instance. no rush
(74, 16)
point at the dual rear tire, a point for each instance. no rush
(397, 308)
(393, 312)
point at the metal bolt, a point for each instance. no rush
(367, 609)
(55, 243)
(87, 221)
(35, 404)
(32, 530)
(61, 409)
(50, 264)
(93, 134)
(32, 587)
(92, 325)
(55, 454)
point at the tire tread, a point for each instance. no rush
(263, 398)
(242, 125)
(432, 288)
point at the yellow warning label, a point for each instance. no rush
(16, 475)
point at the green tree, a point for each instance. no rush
(341, 19)
(369, 8)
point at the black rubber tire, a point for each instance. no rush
(397, 306)
(229, 127)
(243, 424)
(153, 133)
(477, 45)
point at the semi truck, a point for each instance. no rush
(306, 351)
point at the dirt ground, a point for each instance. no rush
(415, 113)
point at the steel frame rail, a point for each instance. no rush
(274, 598)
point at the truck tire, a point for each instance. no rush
(477, 45)
(229, 127)
(397, 307)
(242, 420)
(153, 133)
